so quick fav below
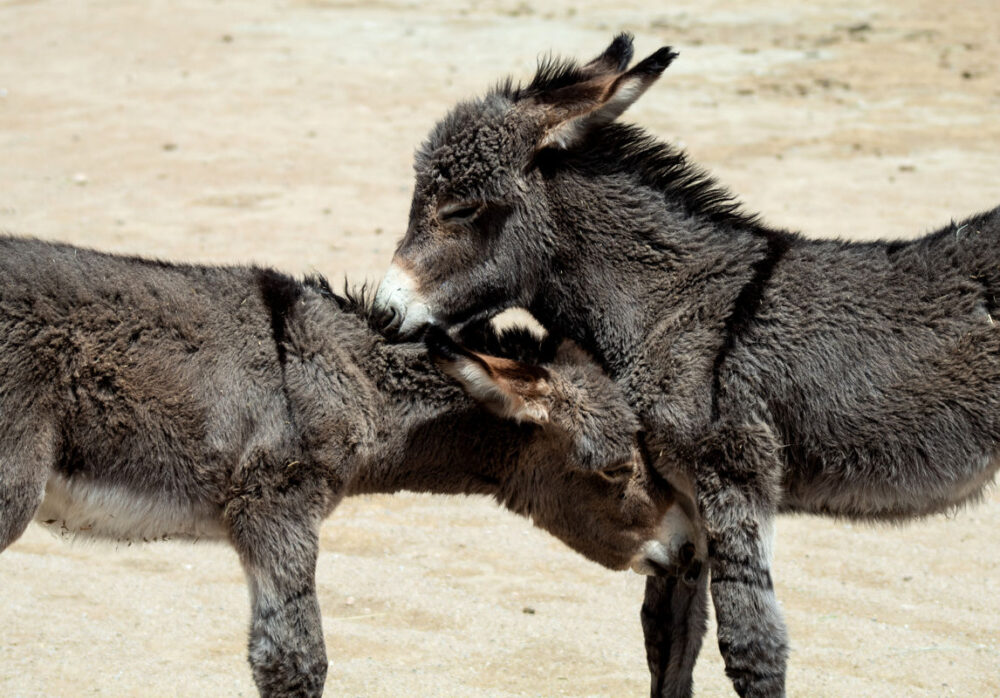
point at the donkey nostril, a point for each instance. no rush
(687, 553)
(693, 572)
(393, 320)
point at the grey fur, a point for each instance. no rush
(773, 373)
(141, 399)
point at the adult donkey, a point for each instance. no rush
(140, 400)
(773, 373)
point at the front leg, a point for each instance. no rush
(738, 475)
(278, 549)
(674, 614)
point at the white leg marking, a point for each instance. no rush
(767, 537)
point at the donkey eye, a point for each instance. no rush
(617, 473)
(461, 212)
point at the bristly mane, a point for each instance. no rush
(553, 73)
(630, 149)
(356, 300)
(658, 164)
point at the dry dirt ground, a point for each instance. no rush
(282, 132)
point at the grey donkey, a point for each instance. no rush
(141, 400)
(772, 373)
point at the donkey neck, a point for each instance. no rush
(634, 260)
(656, 275)
(458, 451)
(431, 436)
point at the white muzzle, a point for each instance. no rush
(398, 293)
(675, 531)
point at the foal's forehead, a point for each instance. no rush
(473, 143)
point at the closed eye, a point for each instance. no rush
(461, 212)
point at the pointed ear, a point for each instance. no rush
(615, 58)
(570, 112)
(509, 389)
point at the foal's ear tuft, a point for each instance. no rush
(570, 112)
(509, 389)
(615, 58)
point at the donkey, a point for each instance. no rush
(141, 400)
(771, 372)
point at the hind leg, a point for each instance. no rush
(737, 481)
(25, 464)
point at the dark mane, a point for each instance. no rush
(631, 149)
(356, 300)
(553, 73)
(659, 165)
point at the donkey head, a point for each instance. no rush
(481, 236)
(581, 476)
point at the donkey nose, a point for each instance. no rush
(692, 573)
(393, 320)
(655, 559)
(687, 553)
(398, 292)
(658, 560)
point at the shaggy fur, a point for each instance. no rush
(141, 400)
(772, 373)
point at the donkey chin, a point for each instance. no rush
(398, 297)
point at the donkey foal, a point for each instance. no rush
(772, 372)
(141, 400)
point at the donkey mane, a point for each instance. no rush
(355, 300)
(658, 164)
(661, 166)
(553, 72)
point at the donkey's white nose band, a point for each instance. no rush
(398, 292)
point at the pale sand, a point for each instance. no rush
(282, 133)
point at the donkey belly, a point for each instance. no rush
(889, 488)
(77, 506)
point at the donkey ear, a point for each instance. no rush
(570, 112)
(509, 389)
(615, 58)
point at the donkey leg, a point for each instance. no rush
(674, 617)
(738, 476)
(278, 550)
(26, 455)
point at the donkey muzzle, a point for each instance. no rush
(398, 296)
(674, 552)
(659, 560)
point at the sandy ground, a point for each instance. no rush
(282, 132)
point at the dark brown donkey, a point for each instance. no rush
(772, 372)
(141, 400)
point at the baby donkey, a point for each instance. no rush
(144, 400)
